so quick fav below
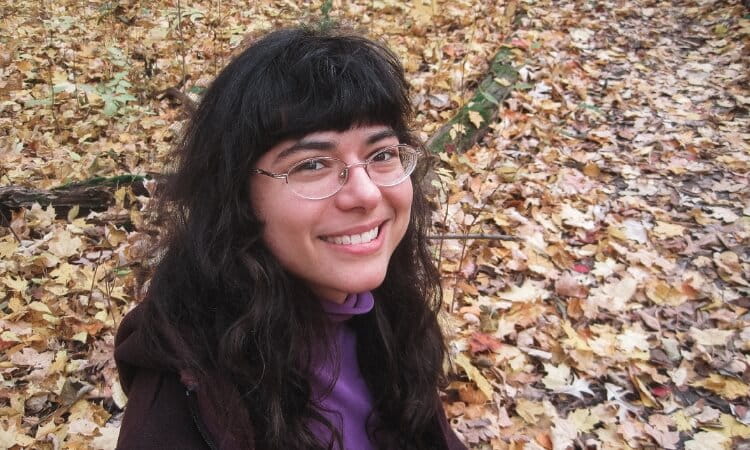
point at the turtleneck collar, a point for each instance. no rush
(354, 304)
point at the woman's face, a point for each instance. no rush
(307, 236)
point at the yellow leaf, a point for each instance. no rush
(101, 316)
(17, 284)
(7, 248)
(731, 427)
(647, 398)
(39, 307)
(729, 388)
(708, 440)
(574, 339)
(474, 374)
(456, 129)
(81, 337)
(667, 229)
(73, 212)
(529, 410)
(24, 440)
(681, 421)
(662, 293)
(583, 420)
(475, 118)
(61, 359)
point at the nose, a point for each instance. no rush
(358, 191)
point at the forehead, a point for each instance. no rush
(353, 139)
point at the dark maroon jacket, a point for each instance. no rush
(166, 410)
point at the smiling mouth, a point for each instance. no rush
(353, 239)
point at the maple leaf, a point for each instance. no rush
(530, 290)
(64, 244)
(614, 295)
(529, 410)
(557, 376)
(481, 342)
(583, 419)
(632, 339)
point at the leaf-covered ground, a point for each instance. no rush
(615, 315)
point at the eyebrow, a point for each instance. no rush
(311, 144)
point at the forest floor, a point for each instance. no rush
(616, 316)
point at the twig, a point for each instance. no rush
(50, 70)
(10, 227)
(93, 277)
(109, 299)
(490, 167)
(445, 220)
(182, 39)
(489, 237)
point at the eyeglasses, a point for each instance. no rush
(323, 176)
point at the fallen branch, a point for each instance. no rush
(95, 194)
(461, 132)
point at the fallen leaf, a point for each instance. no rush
(711, 336)
(474, 374)
(475, 118)
(726, 387)
(569, 286)
(708, 440)
(528, 292)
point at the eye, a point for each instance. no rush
(311, 165)
(385, 154)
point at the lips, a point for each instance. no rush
(354, 239)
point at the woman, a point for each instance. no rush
(295, 302)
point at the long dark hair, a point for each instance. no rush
(222, 307)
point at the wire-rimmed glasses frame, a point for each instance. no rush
(390, 175)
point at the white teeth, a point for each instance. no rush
(361, 238)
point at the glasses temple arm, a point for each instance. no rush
(282, 176)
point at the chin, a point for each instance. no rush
(351, 286)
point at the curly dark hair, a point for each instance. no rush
(223, 299)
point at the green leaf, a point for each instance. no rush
(197, 90)
(489, 97)
(110, 108)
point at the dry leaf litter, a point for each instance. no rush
(617, 318)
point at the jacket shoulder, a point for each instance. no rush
(158, 415)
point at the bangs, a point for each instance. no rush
(329, 84)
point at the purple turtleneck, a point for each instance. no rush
(343, 395)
